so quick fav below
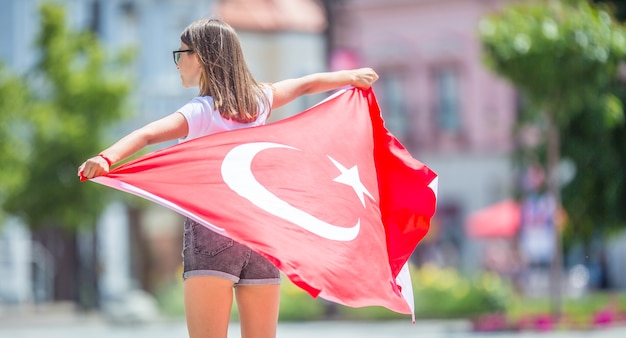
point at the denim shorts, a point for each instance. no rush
(207, 253)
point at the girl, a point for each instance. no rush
(210, 57)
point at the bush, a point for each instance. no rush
(439, 293)
(297, 305)
(444, 293)
(170, 299)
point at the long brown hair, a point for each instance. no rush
(225, 75)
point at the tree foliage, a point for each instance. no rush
(73, 95)
(564, 56)
(596, 197)
(600, 158)
(618, 7)
(14, 103)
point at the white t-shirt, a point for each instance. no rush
(203, 120)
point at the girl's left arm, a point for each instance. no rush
(288, 90)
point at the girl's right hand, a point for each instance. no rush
(93, 167)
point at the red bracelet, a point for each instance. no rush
(106, 159)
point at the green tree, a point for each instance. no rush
(618, 7)
(600, 173)
(13, 150)
(596, 197)
(53, 118)
(563, 57)
(76, 94)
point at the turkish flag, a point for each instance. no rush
(329, 196)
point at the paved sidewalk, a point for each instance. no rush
(60, 323)
(98, 329)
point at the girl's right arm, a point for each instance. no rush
(168, 128)
(288, 90)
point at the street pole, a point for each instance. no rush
(553, 154)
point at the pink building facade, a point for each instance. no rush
(438, 98)
(429, 56)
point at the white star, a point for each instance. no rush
(351, 177)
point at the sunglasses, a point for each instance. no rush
(177, 54)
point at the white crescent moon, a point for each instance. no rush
(237, 174)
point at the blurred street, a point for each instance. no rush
(63, 323)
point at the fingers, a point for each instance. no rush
(374, 76)
(95, 166)
(365, 78)
(371, 76)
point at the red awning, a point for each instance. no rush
(497, 220)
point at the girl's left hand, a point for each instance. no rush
(364, 77)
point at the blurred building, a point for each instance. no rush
(281, 39)
(438, 98)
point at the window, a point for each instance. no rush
(393, 104)
(447, 103)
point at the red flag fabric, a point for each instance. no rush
(329, 196)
